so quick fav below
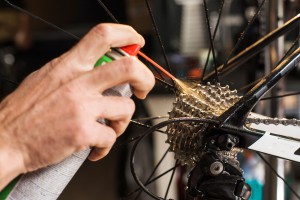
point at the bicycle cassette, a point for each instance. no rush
(201, 101)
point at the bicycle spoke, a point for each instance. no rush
(211, 40)
(140, 124)
(171, 179)
(154, 170)
(151, 118)
(289, 51)
(256, 47)
(243, 35)
(14, 83)
(158, 35)
(281, 96)
(41, 20)
(117, 146)
(161, 175)
(168, 85)
(249, 85)
(145, 125)
(214, 35)
(108, 11)
(275, 172)
(157, 177)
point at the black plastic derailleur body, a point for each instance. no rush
(215, 178)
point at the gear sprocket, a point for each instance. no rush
(196, 100)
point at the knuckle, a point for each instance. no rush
(67, 95)
(111, 137)
(129, 66)
(70, 92)
(151, 81)
(56, 61)
(130, 106)
(130, 28)
(102, 31)
(121, 126)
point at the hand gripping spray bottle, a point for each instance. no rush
(48, 183)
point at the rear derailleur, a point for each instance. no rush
(218, 176)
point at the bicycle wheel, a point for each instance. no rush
(187, 150)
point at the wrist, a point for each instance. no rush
(11, 164)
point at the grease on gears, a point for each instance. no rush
(196, 100)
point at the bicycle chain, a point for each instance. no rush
(273, 121)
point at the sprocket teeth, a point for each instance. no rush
(203, 101)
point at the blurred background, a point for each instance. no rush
(26, 44)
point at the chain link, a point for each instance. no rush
(274, 121)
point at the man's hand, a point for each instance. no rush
(54, 111)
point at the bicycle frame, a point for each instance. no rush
(233, 120)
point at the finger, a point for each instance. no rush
(125, 70)
(117, 110)
(119, 126)
(99, 40)
(98, 153)
(102, 142)
(102, 136)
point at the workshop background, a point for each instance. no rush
(26, 44)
